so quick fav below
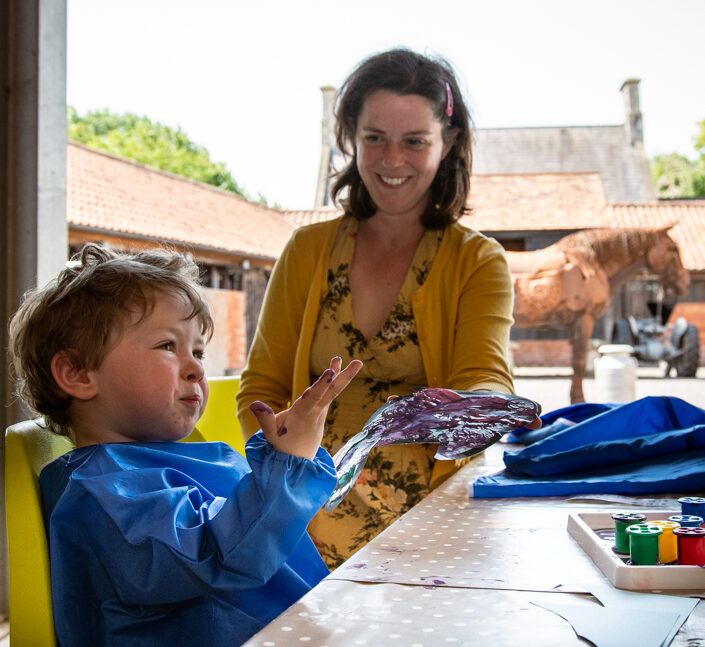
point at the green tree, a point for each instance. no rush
(700, 170)
(150, 143)
(676, 176)
(700, 139)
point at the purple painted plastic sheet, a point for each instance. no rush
(463, 423)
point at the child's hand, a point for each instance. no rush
(298, 430)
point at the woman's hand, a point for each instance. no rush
(298, 430)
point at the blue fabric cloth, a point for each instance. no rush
(554, 421)
(653, 445)
(179, 543)
(681, 472)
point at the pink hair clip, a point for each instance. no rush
(449, 100)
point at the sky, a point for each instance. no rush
(243, 77)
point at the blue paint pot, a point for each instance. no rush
(694, 505)
(687, 520)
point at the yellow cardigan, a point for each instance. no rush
(463, 314)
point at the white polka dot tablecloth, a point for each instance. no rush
(447, 542)
(455, 571)
(449, 539)
(339, 613)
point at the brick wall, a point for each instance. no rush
(541, 352)
(227, 350)
(556, 352)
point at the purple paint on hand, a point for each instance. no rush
(281, 431)
(462, 423)
(260, 407)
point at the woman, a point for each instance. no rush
(395, 282)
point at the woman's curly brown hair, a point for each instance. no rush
(405, 72)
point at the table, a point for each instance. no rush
(459, 571)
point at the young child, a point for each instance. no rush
(153, 541)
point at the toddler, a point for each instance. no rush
(155, 541)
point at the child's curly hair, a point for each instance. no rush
(82, 312)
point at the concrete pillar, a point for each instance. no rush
(327, 147)
(33, 228)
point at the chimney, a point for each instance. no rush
(327, 147)
(632, 114)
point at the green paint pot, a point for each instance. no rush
(643, 544)
(622, 520)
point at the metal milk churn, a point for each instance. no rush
(615, 373)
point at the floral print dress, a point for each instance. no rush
(395, 478)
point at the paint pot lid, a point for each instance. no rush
(697, 500)
(633, 517)
(686, 519)
(644, 530)
(666, 525)
(690, 532)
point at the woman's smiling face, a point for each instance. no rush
(399, 145)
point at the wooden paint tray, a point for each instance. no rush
(594, 532)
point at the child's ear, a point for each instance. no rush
(71, 378)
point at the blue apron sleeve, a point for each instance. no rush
(169, 538)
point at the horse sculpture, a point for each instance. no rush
(570, 283)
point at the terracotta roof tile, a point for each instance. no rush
(533, 201)
(117, 195)
(309, 217)
(509, 201)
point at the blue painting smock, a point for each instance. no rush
(179, 543)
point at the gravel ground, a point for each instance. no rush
(551, 386)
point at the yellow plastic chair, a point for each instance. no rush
(28, 447)
(219, 421)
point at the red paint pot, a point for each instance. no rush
(691, 546)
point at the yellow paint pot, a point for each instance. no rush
(667, 541)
